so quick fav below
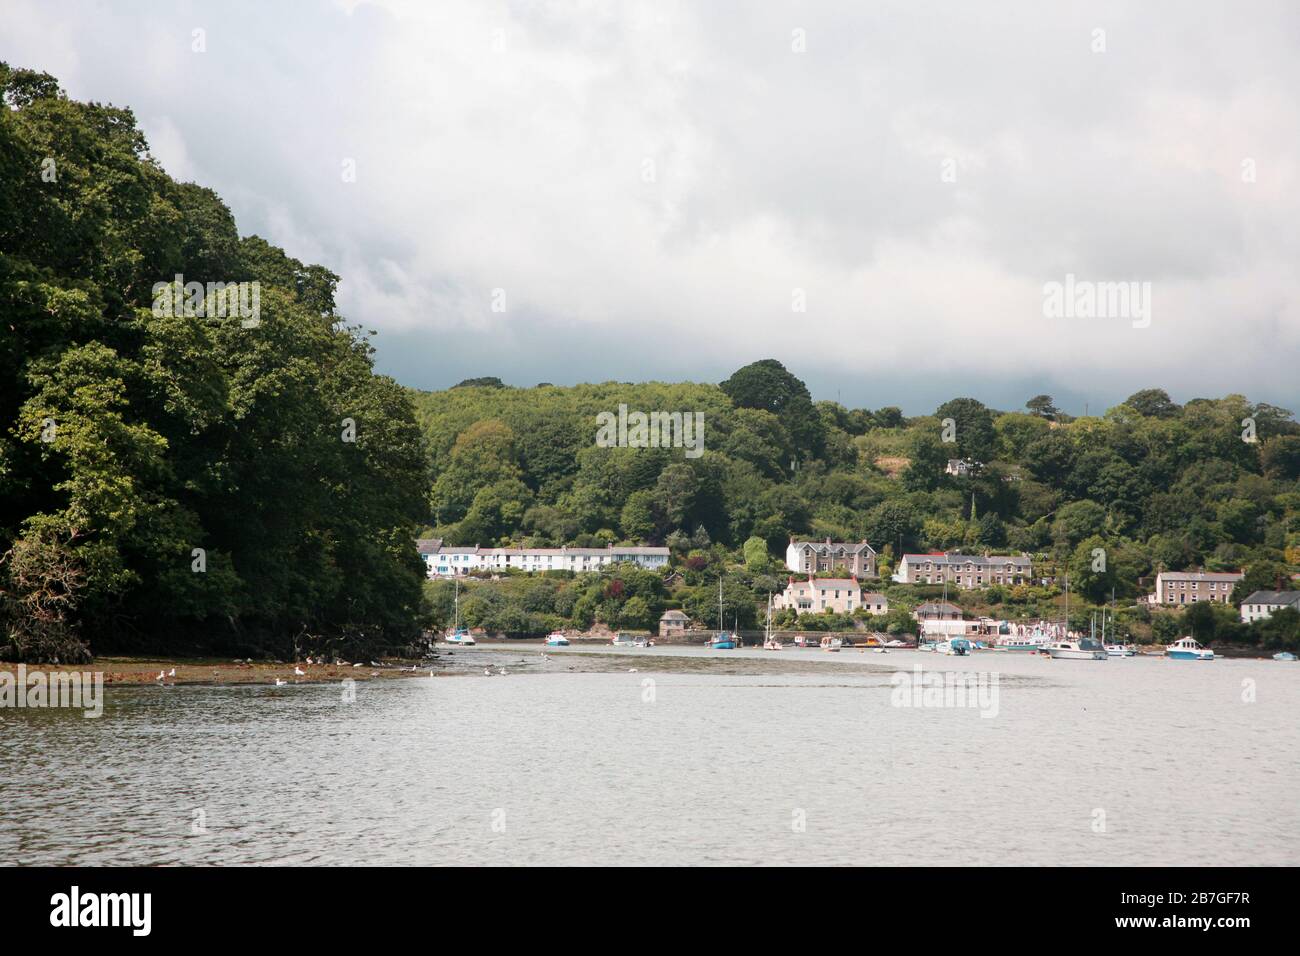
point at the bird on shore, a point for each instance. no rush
(160, 676)
(280, 683)
(172, 672)
(357, 664)
(487, 672)
(501, 671)
(299, 672)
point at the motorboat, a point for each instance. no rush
(831, 643)
(1080, 649)
(1121, 650)
(1284, 656)
(953, 647)
(1188, 649)
(1018, 642)
(556, 639)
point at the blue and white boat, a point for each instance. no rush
(1121, 650)
(460, 636)
(1284, 656)
(722, 641)
(556, 639)
(1187, 649)
(953, 647)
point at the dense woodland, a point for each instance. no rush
(1153, 484)
(189, 484)
(131, 440)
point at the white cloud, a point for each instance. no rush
(506, 146)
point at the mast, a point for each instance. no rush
(719, 605)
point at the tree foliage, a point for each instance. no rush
(172, 480)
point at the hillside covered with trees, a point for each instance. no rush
(1214, 483)
(171, 481)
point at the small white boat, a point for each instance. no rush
(1284, 656)
(801, 641)
(831, 643)
(460, 636)
(1083, 649)
(556, 639)
(895, 643)
(1187, 649)
(1121, 650)
(953, 647)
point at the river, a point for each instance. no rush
(673, 755)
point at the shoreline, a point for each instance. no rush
(142, 671)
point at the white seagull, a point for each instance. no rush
(299, 672)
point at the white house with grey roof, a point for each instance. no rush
(812, 557)
(1261, 605)
(450, 560)
(964, 570)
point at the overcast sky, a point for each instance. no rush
(656, 187)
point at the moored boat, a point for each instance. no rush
(1013, 642)
(1082, 649)
(770, 643)
(831, 643)
(556, 639)
(1121, 650)
(1188, 649)
(953, 647)
(460, 636)
(1284, 656)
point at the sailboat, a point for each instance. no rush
(1115, 648)
(1071, 648)
(459, 634)
(770, 643)
(722, 641)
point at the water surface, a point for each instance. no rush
(671, 756)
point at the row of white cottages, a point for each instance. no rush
(449, 561)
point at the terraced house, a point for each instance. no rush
(964, 570)
(1188, 587)
(447, 561)
(811, 557)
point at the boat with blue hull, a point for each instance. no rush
(954, 647)
(1188, 649)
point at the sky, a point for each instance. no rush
(880, 195)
